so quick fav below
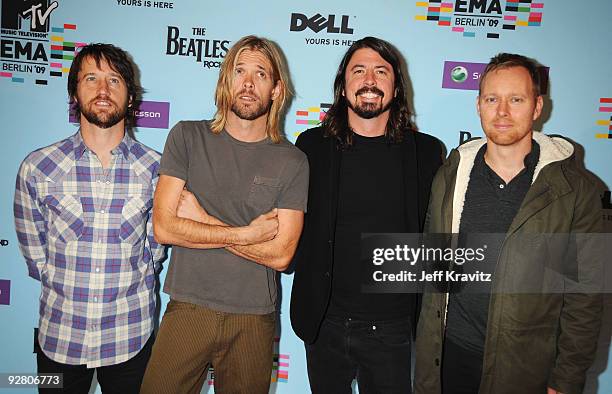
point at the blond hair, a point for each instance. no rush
(280, 76)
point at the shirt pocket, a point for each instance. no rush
(64, 217)
(263, 194)
(134, 216)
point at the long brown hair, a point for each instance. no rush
(335, 122)
(223, 94)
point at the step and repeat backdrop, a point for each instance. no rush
(179, 45)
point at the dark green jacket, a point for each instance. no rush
(533, 341)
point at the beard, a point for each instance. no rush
(104, 120)
(251, 112)
(368, 110)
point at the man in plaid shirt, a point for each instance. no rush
(83, 220)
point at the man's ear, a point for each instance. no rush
(277, 89)
(538, 107)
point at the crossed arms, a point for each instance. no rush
(178, 219)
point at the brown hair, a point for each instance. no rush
(118, 60)
(509, 60)
(335, 122)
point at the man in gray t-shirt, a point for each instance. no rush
(231, 199)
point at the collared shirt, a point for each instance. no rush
(86, 234)
(489, 209)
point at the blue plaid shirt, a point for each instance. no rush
(86, 234)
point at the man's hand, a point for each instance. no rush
(264, 227)
(189, 208)
(552, 391)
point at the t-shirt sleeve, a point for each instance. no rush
(294, 190)
(174, 160)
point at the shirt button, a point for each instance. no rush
(95, 299)
(102, 211)
(501, 186)
(107, 182)
(373, 327)
(97, 269)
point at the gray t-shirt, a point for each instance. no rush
(234, 181)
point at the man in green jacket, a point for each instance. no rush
(517, 183)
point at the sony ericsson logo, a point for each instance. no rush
(316, 23)
(466, 76)
(459, 74)
(462, 75)
(149, 114)
(5, 292)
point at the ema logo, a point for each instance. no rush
(605, 107)
(149, 114)
(485, 17)
(207, 51)
(466, 76)
(34, 50)
(5, 292)
(280, 367)
(311, 116)
(280, 364)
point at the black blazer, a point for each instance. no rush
(314, 257)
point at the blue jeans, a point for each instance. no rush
(376, 353)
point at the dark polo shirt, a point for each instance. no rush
(490, 206)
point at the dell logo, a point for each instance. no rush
(300, 22)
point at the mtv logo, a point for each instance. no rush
(14, 12)
(300, 22)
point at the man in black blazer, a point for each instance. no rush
(370, 172)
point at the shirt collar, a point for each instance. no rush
(123, 147)
(530, 161)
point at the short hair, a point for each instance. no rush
(508, 60)
(118, 60)
(335, 122)
(280, 76)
